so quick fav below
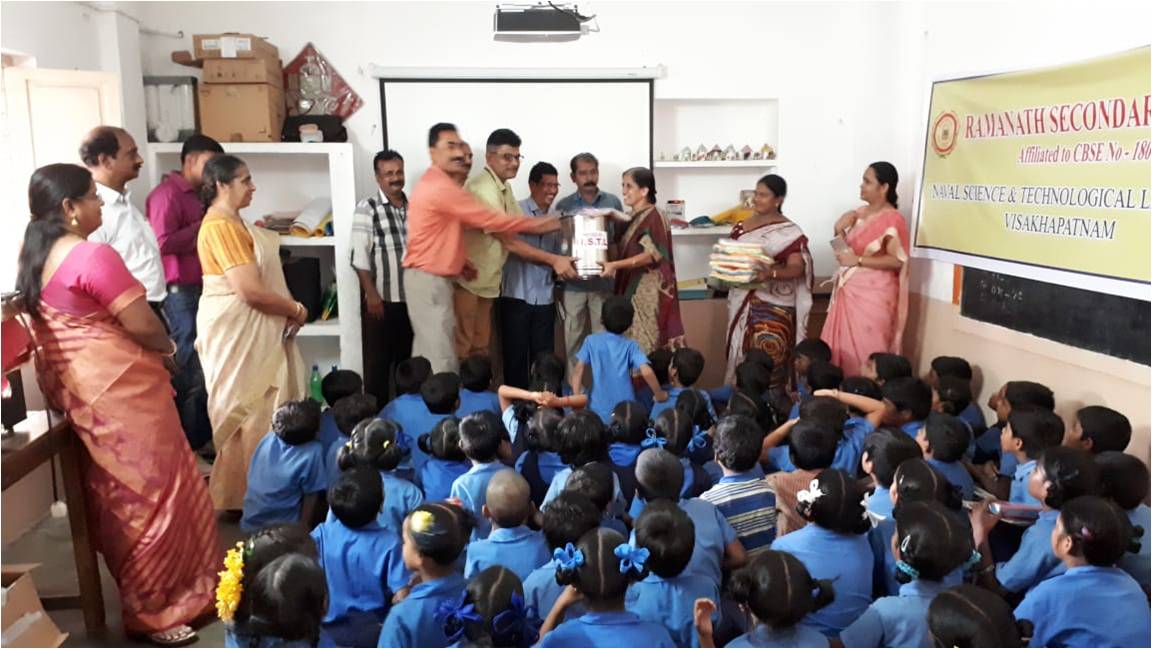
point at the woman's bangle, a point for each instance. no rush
(860, 261)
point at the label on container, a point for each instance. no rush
(596, 240)
(230, 45)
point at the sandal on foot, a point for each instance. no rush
(175, 637)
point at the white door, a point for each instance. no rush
(45, 115)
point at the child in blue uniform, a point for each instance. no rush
(376, 444)
(581, 438)
(287, 601)
(565, 520)
(930, 543)
(753, 377)
(1094, 603)
(476, 386)
(434, 538)
(808, 351)
(539, 463)
(1124, 479)
(408, 405)
(952, 396)
(1099, 429)
(613, 358)
(698, 407)
(971, 616)
(989, 449)
(836, 407)
(667, 595)
(909, 402)
(743, 495)
(834, 547)
(658, 360)
(628, 428)
(348, 412)
(780, 593)
(883, 452)
(882, 367)
(490, 613)
(600, 567)
(822, 375)
(481, 435)
(944, 439)
(507, 506)
(1061, 474)
(286, 476)
(269, 629)
(682, 438)
(1027, 433)
(446, 461)
(958, 372)
(684, 371)
(336, 385)
(594, 480)
(362, 560)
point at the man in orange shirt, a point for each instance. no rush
(439, 210)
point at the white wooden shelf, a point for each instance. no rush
(257, 148)
(316, 242)
(711, 231)
(321, 328)
(715, 164)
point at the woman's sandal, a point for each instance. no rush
(175, 637)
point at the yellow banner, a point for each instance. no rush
(1043, 172)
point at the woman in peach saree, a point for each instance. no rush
(870, 297)
(100, 359)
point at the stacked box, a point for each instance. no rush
(242, 95)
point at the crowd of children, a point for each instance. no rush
(867, 511)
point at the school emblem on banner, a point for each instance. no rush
(945, 133)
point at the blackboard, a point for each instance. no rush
(1108, 324)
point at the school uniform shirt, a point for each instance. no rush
(1008, 464)
(879, 504)
(547, 463)
(364, 568)
(713, 535)
(400, 498)
(541, 592)
(508, 418)
(518, 549)
(884, 571)
(471, 402)
(1137, 564)
(974, 417)
(608, 629)
(765, 636)
(670, 603)
(900, 621)
(412, 622)
(1087, 606)
(438, 475)
(645, 398)
(612, 358)
(986, 446)
(913, 427)
(331, 466)
(1019, 492)
(748, 503)
(957, 475)
(328, 434)
(561, 479)
(279, 477)
(1034, 561)
(673, 394)
(622, 454)
(472, 490)
(846, 559)
(414, 418)
(848, 449)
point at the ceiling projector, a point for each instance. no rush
(540, 22)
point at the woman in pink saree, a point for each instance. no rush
(100, 357)
(870, 296)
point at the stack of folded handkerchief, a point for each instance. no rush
(733, 262)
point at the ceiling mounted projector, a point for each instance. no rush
(540, 22)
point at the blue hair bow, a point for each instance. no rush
(653, 440)
(454, 615)
(699, 439)
(569, 558)
(631, 558)
(516, 625)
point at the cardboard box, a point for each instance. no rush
(261, 70)
(233, 45)
(241, 112)
(25, 624)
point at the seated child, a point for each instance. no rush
(1013, 394)
(581, 438)
(476, 386)
(376, 444)
(1061, 475)
(481, 435)
(1098, 429)
(411, 373)
(698, 408)
(884, 451)
(490, 613)
(821, 376)
(347, 412)
(951, 396)
(441, 396)
(971, 616)
(361, 559)
(628, 427)
(601, 566)
(613, 359)
(780, 593)
(808, 351)
(659, 476)
(667, 595)
(1124, 479)
(909, 402)
(287, 601)
(743, 495)
(434, 538)
(539, 464)
(1094, 603)
(753, 376)
(882, 367)
(683, 371)
(565, 520)
(944, 439)
(594, 480)
(240, 598)
(336, 385)
(832, 407)
(681, 438)
(286, 476)
(750, 404)
(930, 543)
(507, 506)
(446, 461)
(834, 547)
(812, 449)
(1028, 432)
(958, 373)
(659, 360)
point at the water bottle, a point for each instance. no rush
(315, 385)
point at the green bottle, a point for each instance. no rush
(315, 384)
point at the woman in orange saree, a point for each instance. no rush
(100, 359)
(870, 297)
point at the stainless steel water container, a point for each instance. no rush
(586, 239)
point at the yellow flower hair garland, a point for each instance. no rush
(231, 586)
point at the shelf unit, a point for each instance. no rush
(288, 175)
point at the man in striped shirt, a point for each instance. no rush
(379, 239)
(743, 495)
